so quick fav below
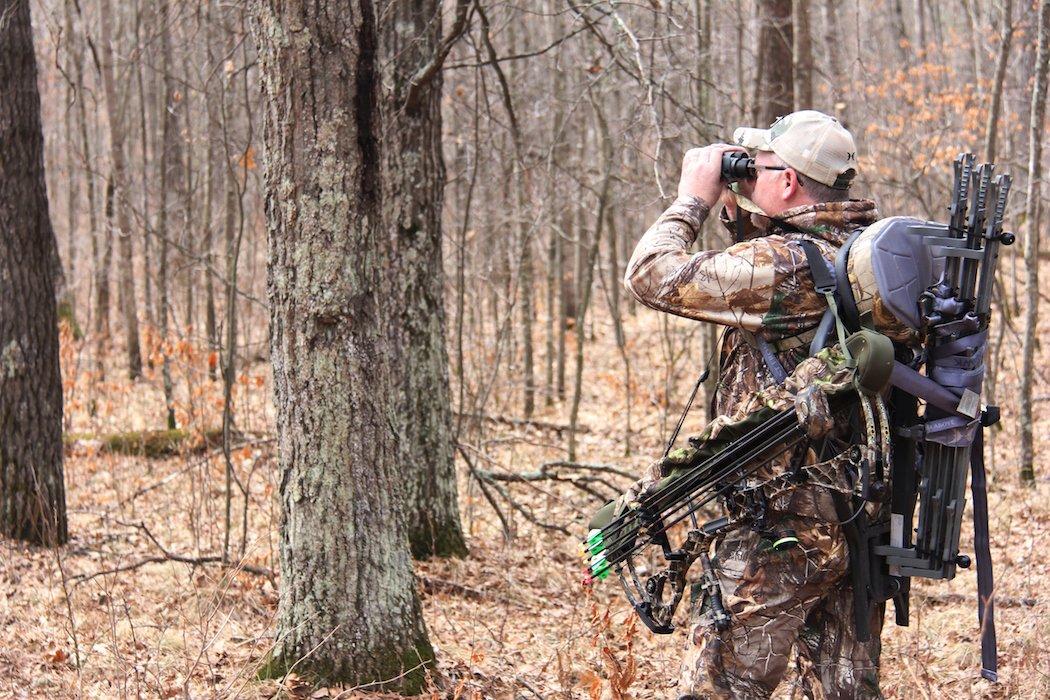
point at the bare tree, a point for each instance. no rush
(1036, 129)
(412, 48)
(803, 56)
(32, 492)
(354, 174)
(119, 182)
(1006, 34)
(774, 84)
(170, 207)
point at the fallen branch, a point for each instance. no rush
(552, 471)
(484, 478)
(527, 514)
(193, 465)
(167, 556)
(192, 561)
(1000, 601)
(154, 444)
(522, 422)
(436, 585)
(507, 536)
(603, 468)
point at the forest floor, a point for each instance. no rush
(115, 613)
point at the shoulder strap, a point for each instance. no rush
(823, 277)
(768, 356)
(981, 547)
(847, 302)
(824, 282)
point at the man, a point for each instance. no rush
(762, 290)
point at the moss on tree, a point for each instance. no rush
(153, 444)
(401, 672)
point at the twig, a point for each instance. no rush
(170, 556)
(485, 492)
(1000, 601)
(605, 468)
(192, 561)
(527, 514)
(519, 422)
(193, 465)
(436, 585)
(549, 472)
(518, 56)
(426, 73)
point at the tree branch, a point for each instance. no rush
(464, 10)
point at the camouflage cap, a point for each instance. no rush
(811, 142)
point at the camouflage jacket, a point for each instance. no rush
(761, 285)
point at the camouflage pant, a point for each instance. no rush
(799, 599)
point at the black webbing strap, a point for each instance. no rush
(823, 278)
(847, 302)
(773, 363)
(985, 580)
(853, 529)
(824, 283)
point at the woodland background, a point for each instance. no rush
(564, 125)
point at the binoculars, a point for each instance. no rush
(736, 166)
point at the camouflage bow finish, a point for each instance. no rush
(732, 460)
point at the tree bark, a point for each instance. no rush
(343, 226)
(803, 56)
(836, 76)
(413, 177)
(32, 492)
(1006, 34)
(1031, 247)
(170, 205)
(147, 154)
(775, 86)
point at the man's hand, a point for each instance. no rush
(702, 172)
(729, 202)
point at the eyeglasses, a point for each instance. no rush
(753, 169)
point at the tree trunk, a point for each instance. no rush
(803, 56)
(413, 179)
(64, 286)
(146, 101)
(775, 86)
(835, 74)
(920, 22)
(900, 32)
(188, 252)
(588, 257)
(117, 134)
(702, 56)
(74, 47)
(215, 172)
(1006, 34)
(1031, 245)
(104, 261)
(170, 207)
(342, 227)
(32, 493)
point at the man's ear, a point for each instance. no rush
(791, 185)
